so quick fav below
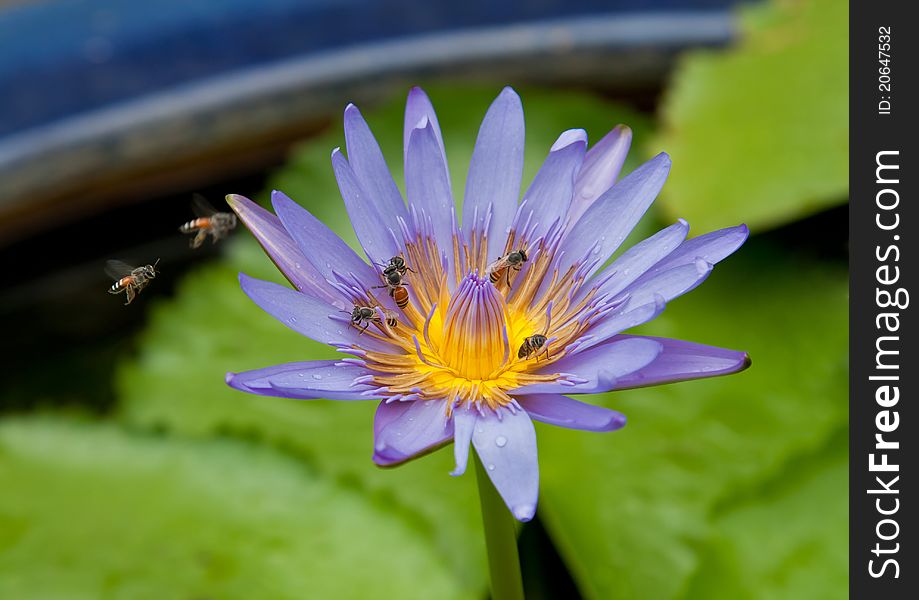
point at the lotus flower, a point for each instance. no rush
(466, 330)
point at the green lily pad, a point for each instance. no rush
(637, 513)
(90, 511)
(759, 132)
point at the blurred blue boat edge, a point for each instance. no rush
(106, 101)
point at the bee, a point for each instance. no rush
(396, 264)
(503, 266)
(533, 344)
(129, 279)
(364, 316)
(395, 283)
(209, 222)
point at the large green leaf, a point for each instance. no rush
(637, 512)
(759, 132)
(211, 327)
(89, 511)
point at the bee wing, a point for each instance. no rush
(201, 207)
(498, 264)
(117, 269)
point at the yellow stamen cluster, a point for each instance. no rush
(462, 345)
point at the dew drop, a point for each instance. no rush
(480, 429)
(298, 265)
(491, 467)
(317, 376)
(500, 441)
(292, 320)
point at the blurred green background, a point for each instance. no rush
(726, 488)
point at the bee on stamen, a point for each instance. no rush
(395, 284)
(363, 316)
(128, 279)
(503, 266)
(209, 222)
(535, 343)
(396, 264)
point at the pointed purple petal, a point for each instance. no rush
(597, 369)
(612, 217)
(463, 426)
(418, 107)
(618, 322)
(601, 167)
(507, 448)
(427, 184)
(711, 247)
(374, 176)
(641, 257)
(562, 411)
(493, 183)
(327, 379)
(282, 249)
(406, 430)
(321, 247)
(681, 361)
(307, 315)
(668, 284)
(549, 196)
(374, 230)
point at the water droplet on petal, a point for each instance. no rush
(292, 319)
(491, 467)
(500, 441)
(480, 429)
(317, 376)
(298, 265)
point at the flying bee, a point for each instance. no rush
(128, 279)
(503, 266)
(363, 316)
(208, 222)
(396, 264)
(395, 284)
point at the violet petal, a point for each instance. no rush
(406, 430)
(320, 245)
(493, 183)
(427, 184)
(282, 249)
(507, 448)
(327, 379)
(597, 369)
(562, 411)
(375, 178)
(418, 107)
(612, 217)
(549, 196)
(463, 425)
(375, 231)
(602, 165)
(644, 255)
(680, 360)
(307, 315)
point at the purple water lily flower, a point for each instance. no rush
(467, 330)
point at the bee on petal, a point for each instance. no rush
(128, 279)
(208, 222)
(363, 316)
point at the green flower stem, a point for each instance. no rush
(500, 540)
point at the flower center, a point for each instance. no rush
(474, 341)
(474, 345)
